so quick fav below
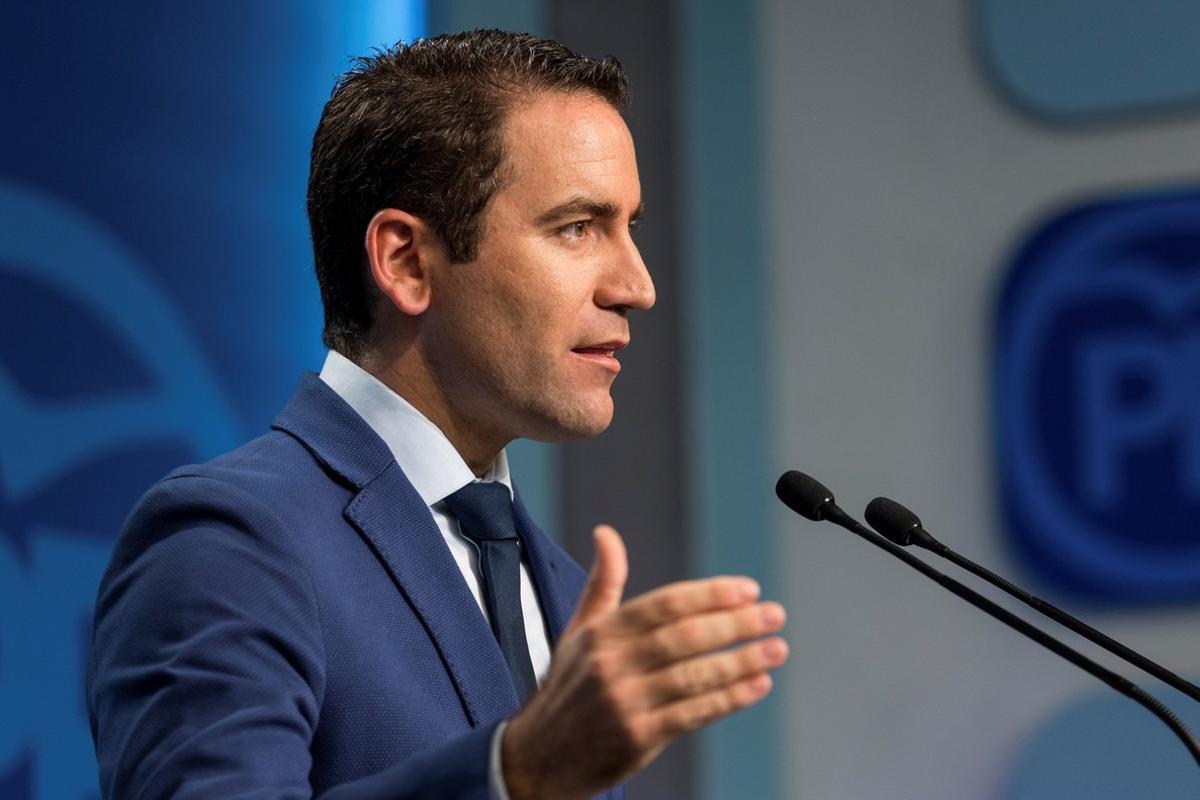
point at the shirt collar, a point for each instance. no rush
(428, 459)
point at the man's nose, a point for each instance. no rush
(627, 285)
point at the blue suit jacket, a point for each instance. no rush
(287, 621)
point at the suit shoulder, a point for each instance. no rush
(272, 456)
(274, 470)
(257, 491)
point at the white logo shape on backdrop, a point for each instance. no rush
(48, 586)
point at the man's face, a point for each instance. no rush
(522, 339)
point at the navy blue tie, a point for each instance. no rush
(485, 516)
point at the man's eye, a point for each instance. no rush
(576, 230)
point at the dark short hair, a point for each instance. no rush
(419, 127)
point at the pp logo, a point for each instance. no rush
(101, 391)
(1097, 392)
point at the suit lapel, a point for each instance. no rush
(544, 567)
(392, 517)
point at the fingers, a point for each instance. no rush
(606, 580)
(698, 676)
(685, 599)
(628, 678)
(687, 715)
(703, 632)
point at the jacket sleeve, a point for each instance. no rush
(206, 675)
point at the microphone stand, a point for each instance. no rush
(902, 527)
(808, 498)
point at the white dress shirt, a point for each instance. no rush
(436, 470)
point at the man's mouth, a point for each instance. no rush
(602, 354)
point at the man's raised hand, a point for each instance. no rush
(628, 678)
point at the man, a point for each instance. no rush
(356, 604)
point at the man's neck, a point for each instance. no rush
(409, 377)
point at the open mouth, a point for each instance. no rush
(604, 354)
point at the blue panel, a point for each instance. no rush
(1098, 399)
(157, 302)
(1072, 61)
(730, 476)
(1106, 747)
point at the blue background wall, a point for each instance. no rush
(156, 296)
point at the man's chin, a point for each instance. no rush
(579, 423)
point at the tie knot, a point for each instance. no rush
(484, 511)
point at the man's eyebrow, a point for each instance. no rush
(586, 207)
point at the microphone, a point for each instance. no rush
(903, 527)
(810, 499)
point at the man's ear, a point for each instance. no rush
(400, 248)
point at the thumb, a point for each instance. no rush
(606, 581)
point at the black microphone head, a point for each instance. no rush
(803, 494)
(892, 520)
